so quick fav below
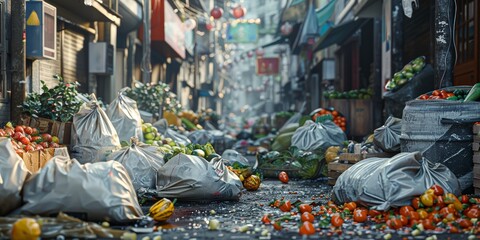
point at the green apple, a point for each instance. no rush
(149, 136)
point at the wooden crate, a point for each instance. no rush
(356, 157)
(476, 182)
(361, 117)
(63, 130)
(35, 160)
(335, 169)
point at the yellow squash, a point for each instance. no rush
(251, 183)
(162, 210)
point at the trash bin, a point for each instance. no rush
(442, 131)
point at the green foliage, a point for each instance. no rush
(59, 103)
(153, 97)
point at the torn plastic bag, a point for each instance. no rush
(162, 126)
(387, 137)
(98, 191)
(231, 156)
(13, 173)
(201, 137)
(94, 136)
(125, 117)
(141, 161)
(383, 183)
(318, 136)
(192, 178)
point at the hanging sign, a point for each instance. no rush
(268, 66)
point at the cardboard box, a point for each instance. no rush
(63, 130)
(37, 159)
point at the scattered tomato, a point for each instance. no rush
(308, 217)
(286, 206)
(360, 215)
(427, 199)
(350, 206)
(283, 176)
(266, 219)
(304, 208)
(336, 220)
(307, 228)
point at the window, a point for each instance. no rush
(3, 53)
(467, 32)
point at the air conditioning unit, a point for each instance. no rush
(41, 30)
(100, 58)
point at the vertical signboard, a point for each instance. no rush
(268, 66)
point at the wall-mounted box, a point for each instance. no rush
(100, 58)
(41, 30)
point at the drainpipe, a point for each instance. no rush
(146, 67)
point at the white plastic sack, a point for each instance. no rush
(318, 136)
(387, 137)
(162, 126)
(125, 117)
(192, 178)
(13, 173)
(201, 137)
(101, 191)
(142, 161)
(383, 183)
(94, 136)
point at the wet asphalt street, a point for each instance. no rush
(242, 219)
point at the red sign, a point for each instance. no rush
(268, 66)
(167, 30)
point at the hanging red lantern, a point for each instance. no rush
(259, 52)
(238, 11)
(216, 13)
(286, 29)
(209, 26)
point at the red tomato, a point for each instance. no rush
(19, 129)
(446, 210)
(403, 219)
(265, 219)
(360, 215)
(277, 226)
(350, 206)
(423, 97)
(464, 199)
(307, 217)
(404, 210)
(464, 223)
(440, 202)
(436, 93)
(394, 223)
(307, 228)
(28, 130)
(413, 216)
(286, 206)
(336, 220)
(283, 176)
(416, 203)
(304, 208)
(472, 212)
(373, 213)
(437, 189)
(428, 224)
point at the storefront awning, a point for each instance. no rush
(280, 40)
(94, 11)
(132, 15)
(338, 34)
(368, 8)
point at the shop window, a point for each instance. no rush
(467, 42)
